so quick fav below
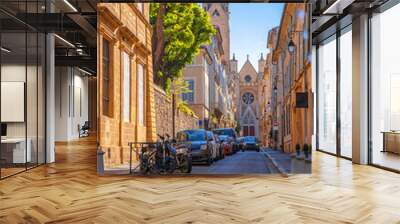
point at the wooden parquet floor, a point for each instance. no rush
(70, 191)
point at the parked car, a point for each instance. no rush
(231, 133)
(240, 142)
(212, 142)
(220, 144)
(201, 148)
(251, 143)
(226, 144)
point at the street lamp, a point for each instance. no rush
(291, 46)
(292, 49)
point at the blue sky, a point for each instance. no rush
(249, 26)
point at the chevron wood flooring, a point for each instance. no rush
(70, 191)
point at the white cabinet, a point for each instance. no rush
(16, 147)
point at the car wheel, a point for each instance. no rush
(209, 160)
(187, 165)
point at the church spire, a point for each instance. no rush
(262, 56)
(247, 57)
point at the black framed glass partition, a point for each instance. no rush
(326, 110)
(22, 77)
(345, 93)
(385, 89)
(376, 34)
(334, 93)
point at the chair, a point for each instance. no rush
(84, 129)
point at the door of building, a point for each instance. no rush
(245, 130)
(252, 131)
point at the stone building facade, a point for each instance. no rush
(271, 96)
(164, 115)
(249, 96)
(291, 56)
(211, 97)
(197, 76)
(125, 79)
(219, 13)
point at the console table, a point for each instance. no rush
(391, 141)
(13, 150)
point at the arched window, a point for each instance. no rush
(215, 13)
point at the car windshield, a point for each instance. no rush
(250, 139)
(223, 137)
(195, 135)
(227, 132)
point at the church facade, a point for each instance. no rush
(249, 82)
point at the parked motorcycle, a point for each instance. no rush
(164, 158)
(183, 158)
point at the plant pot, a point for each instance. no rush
(306, 151)
(297, 150)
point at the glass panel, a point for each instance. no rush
(385, 84)
(189, 96)
(41, 99)
(140, 95)
(346, 94)
(31, 98)
(327, 96)
(13, 86)
(314, 89)
(127, 87)
(106, 77)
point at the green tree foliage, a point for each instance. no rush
(179, 31)
(177, 87)
(237, 129)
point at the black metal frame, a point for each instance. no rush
(369, 104)
(339, 32)
(387, 5)
(338, 98)
(36, 164)
(380, 9)
(317, 95)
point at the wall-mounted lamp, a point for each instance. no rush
(291, 46)
(275, 89)
(5, 50)
(64, 40)
(85, 72)
(70, 6)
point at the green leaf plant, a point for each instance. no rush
(179, 29)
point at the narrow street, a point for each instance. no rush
(248, 162)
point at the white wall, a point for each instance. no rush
(33, 126)
(314, 90)
(16, 73)
(71, 103)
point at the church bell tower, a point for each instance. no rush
(219, 13)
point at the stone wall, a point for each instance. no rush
(127, 30)
(163, 107)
